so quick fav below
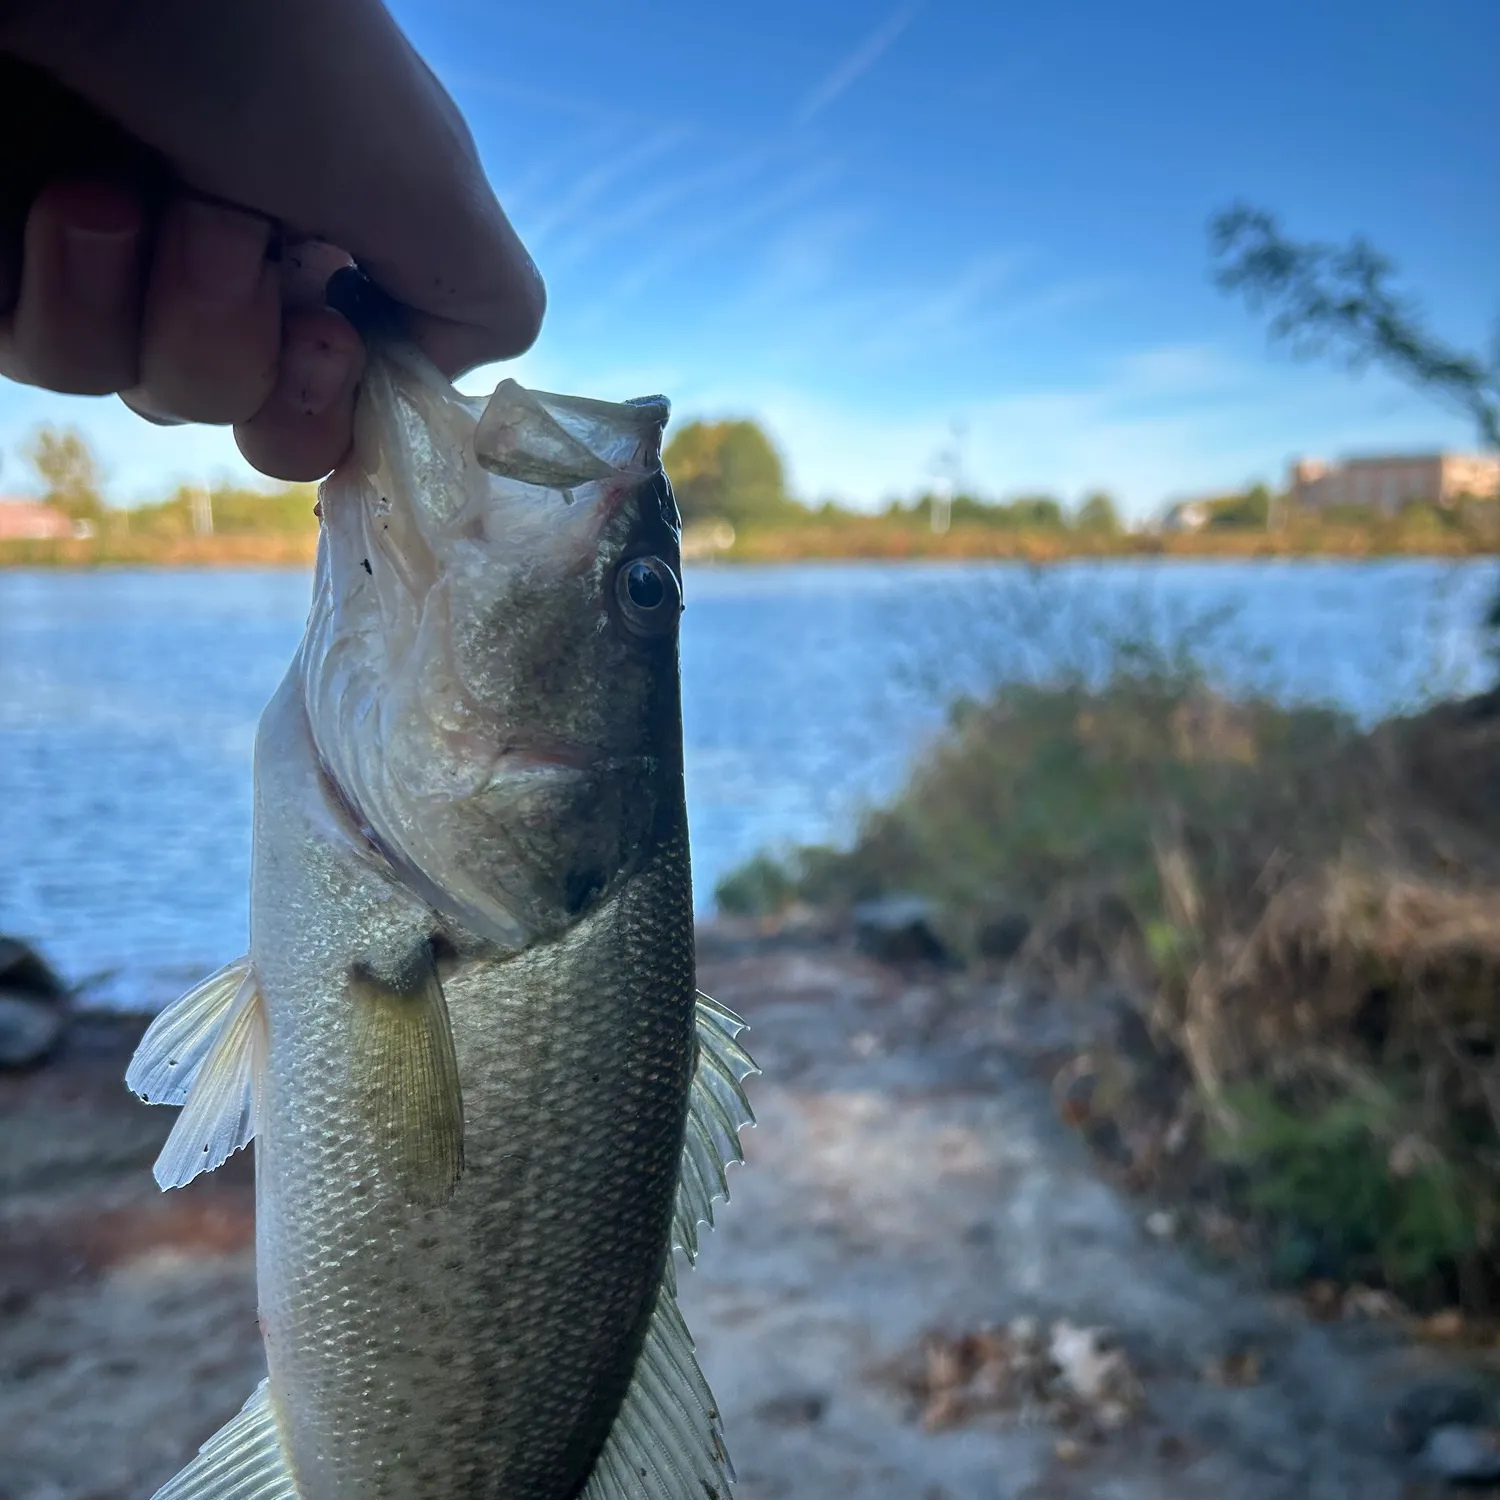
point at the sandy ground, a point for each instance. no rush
(908, 1176)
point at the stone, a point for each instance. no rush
(24, 971)
(1463, 1455)
(33, 1005)
(29, 1029)
(1000, 935)
(793, 1409)
(898, 929)
(1437, 1403)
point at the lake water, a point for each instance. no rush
(128, 703)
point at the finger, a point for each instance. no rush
(307, 266)
(337, 129)
(211, 330)
(75, 326)
(306, 424)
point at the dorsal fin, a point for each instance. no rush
(667, 1442)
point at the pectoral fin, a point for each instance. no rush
(406, 1076)
(223, 1103)
(175, 1044)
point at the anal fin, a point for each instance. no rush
(243, 1460)
(406, 1076)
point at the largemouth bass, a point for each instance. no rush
(487, 1100)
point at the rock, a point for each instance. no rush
(23, 971)
(1463, 1455)
(29, 1029)
(33, 1005)
(898, 929)
(1162, 1224)
(1000, 935)
(794, 1409)
(1433, 1404)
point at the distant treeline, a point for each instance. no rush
(730, 472)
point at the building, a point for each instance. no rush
(1387, 483)
(31, 521)
(1187, 515)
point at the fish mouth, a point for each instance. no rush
(521, 756)
(561, 760)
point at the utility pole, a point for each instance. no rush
(201, 508)
(948, 467)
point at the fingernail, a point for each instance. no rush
(99, 269)
(101, 232)
(313, 374)
(224, 251)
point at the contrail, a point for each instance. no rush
(857, 62)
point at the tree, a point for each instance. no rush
(1337, 299)
(1248, 512)
(1332, 299)
(1098, 514)
(68, 470)
(728, 471)
(1039, 511)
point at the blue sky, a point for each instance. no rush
(865, 223)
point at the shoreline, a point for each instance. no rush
(297, 553)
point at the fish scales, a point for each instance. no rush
(467, 1038)
(574, 1084)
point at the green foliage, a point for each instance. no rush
(759, 886)
(1098, 514)
(728, 471)
(1046, 785)
(1332, 1180)
(1028, 512)
(245, 511)
(235, 512)
(65, 464)
(1250, 511)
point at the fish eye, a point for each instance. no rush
(648, 595)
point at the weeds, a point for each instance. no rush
(1306, 915)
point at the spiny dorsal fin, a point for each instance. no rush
(243, 1460)
(406, 1073)
(177, 1041)
(223, 1103)
(667, 1442)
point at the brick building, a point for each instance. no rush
(1389, 482)
(31, 521)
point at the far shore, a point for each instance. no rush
(876, 541)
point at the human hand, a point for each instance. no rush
(180, 179)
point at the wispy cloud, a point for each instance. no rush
(859, 62)
(589, 188)
(694, 237)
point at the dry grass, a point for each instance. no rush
(1305, 916)
(245, 550)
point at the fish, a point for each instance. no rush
(489, 1103)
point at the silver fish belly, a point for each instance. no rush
(487, 1100)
